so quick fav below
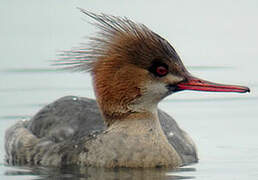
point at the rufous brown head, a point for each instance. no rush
(133, 68)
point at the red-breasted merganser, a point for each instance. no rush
(133, 69)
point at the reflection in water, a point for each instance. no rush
(99, 173)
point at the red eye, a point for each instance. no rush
(161, 70)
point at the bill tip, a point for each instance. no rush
(248, 90)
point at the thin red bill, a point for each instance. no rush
(197, 84)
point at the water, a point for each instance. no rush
(217, 40)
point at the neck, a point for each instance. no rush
(139, 123)
(130, 113)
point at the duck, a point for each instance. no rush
(133, 69)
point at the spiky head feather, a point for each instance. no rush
(117, 36)
(119, 58)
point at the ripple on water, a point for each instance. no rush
(74, 172)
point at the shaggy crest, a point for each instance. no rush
(112, 28)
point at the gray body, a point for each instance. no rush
(61, 130)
